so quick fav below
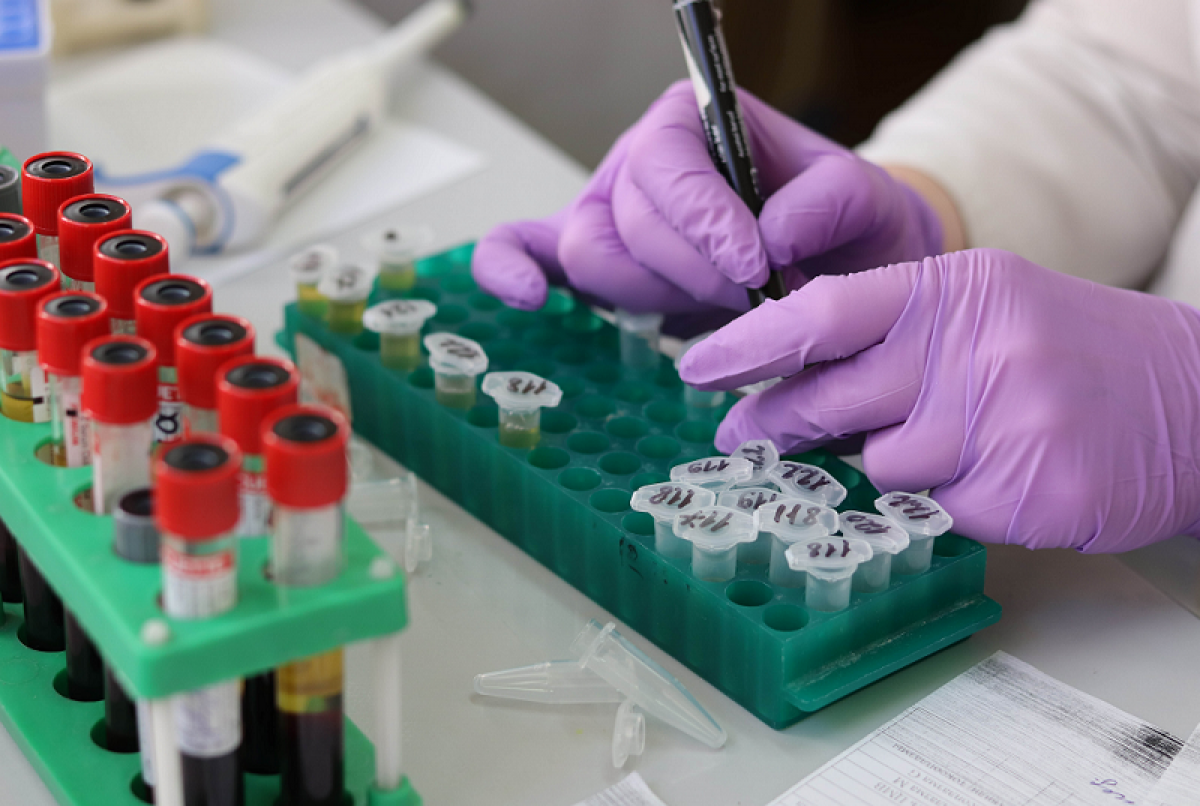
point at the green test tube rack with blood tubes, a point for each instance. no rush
(570, 501)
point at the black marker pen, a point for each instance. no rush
(716, 93)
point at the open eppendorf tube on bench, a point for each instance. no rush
(196, 507)
(830, 563)
(714, 473)
(345, 290)
(456, 363)
(203, 343)
(639, 334)
(694, 398)
(397, 250)
(398, 323)
(122, 261)
(663, 502)
(748, 500)
(24, 283)
(808, 482)
(47, 182)
(521, 397)
(66, 322)
(789, 521)
(886, 540)
(307, 268)
(82, 222)
(715, 533)
(923, 519)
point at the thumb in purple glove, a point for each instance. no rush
(1040, 409)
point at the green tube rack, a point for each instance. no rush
(566, 502)
(113, 599)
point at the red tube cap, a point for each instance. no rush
(65, 323)
(248, 390)
(24, 284)
(124, 259)
(17, 239)
(50, 179)
(160, 304)
(202, 344)
(120, 380)
(304, 448)
(196, 487)
(82, 221)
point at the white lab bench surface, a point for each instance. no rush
(483, 605)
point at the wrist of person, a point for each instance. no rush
(952, 233)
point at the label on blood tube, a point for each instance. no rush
(310, 685)
(198, 585)
(322, 376)
(168, 423)
(145, 729)
(77, 429)
(312, 552)
(255, 506)
(209, 721)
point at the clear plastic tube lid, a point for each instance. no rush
(455, 355)
(665, 501)
(715, 528)
(808, 481)
(748, 499)
(346, 284)
(762, 455)
(310, 265)
(399, 317)
(918, 514)
(639, 322)
(881, 533)
(399, 244)
(795, 519)
(629, 733)
(715, 471)
(521, 391)
(830, 558)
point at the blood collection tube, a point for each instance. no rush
(202, 344)
(122, 260)
(119, 384)
(307, 479)
(23, 286)
(196, 507)
(66, 322)
(47, 181)
(160, 305)
(82, 221)
(44, 625)
(10, 189)
(17, 239)
(10, 574)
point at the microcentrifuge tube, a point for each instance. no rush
(715, 533)
(714, 473)
(923, 519)
(789, 521)
(398, 323)
(663, 502)
(121, 262)
(456, 362)
(521, 397)
(556, 682)
(639, 340)
(397, 249)
(81, 223)
(830, 563)
(203, 343)
(708, 402)
(629, 733)
(748, 500)
(66, 322)
(23, 285)
(807, 481)
(47, 182)
(886, 540)
(17, 239)
(763, 455)
(308, 268)
(345, 290)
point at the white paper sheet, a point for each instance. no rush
(630, 792)
(1180, 784)
(1000, 734)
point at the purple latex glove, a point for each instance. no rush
(1041, 409)
(658, 229)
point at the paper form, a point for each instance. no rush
(630, 792)
(1180, 784)
(1000, 734)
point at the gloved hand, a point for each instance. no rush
(1041, 409)
(658, 229)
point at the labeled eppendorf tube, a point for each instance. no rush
(664, 502)
(47, 182)
(808, 482)
(82, 221)
(122, 261)
(763, 456)
(521, 397)
(23, 285)
(249, 389)
(160, 305)
(748, 500)
(307, 479)
(886, 540)
(397, 250)
(713, 473)
(639, 340)
(398, 323)
(66, 322)
(791, 521)
(702, 402)
(345, 290)
(203, 343)
(715, 533)
(307, 268)
(923, 519)
(830, 563)
(119, 397)
(456, 362)
(196, 507)
(17, 239)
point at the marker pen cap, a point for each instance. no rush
(248, 390)
(203, 343)
(81, 222)
(10, 190)
(50, 179)
(24, 283)
(122, 260)
(65, 323)
(196, 487)
(16, 237)
(304, 449)
(120, 380)
(161, 303)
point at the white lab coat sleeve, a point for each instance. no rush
(1057, 144)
